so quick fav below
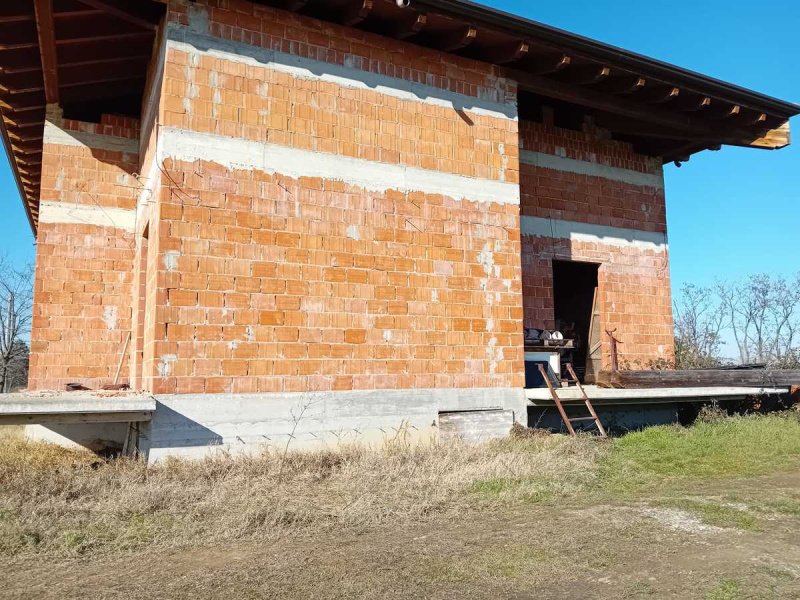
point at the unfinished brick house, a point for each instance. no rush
(344, 212)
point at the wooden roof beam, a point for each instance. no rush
(695, 104)
(774, 139)
(293, 5)
(47, 48)
(15, 18)
(356, 13)
(121, 11)
(103, 38)
(585, 74)
(725, 111)
(459, 39)
(549, 64)
(660, 94)
(509, 53)
(622, 85)
(591, 98)
(406, 28)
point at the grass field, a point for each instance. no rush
(709, 511)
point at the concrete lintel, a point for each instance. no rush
(237, 153)
(589, 232)
(590, 169)
(87, 214)
(53, 134)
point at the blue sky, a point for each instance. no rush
(731, 212)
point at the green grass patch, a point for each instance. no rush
(783, 506)
(736, 447)
(727, 589)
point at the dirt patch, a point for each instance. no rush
(615, 550)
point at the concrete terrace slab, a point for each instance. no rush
(75, 407)
(612, 396)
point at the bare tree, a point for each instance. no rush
(763, 314)
(16, 301)
(699, 320)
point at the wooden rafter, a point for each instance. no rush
(503, 55)
(585, 74)
(357, 13)
(549, 64)
(47, 48)
(91, 39)
(121, 12)
(661, 94)
(694, 104)
(407, 28)
(623, 85)
(459, 39)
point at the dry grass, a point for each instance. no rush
(54, 500)
(61, 502)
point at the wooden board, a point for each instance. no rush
(594, 354)
(699, 378)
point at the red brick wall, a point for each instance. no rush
(270, 289)
(634, 283)
(81, 312)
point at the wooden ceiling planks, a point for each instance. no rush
(65, 52)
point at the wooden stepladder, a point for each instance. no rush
(567, 421)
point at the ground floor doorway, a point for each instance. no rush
(577, 314)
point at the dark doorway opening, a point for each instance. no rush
(577, 314)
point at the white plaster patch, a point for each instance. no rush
(236, 153)
(87, 214)
(353, 233)
(347, 75)
(165, 364)
(249, 333)
(560, 162)
(600, 234)
(435, 295)
(110, 317)
(387, 335)
(494, 354)
(486, 259)
(53, 134)
(170, 260)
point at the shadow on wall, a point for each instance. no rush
(171, 429)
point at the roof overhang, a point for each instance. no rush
(80, 53)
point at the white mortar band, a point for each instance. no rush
(87, 214)
(53, 134)
(183, 39)
(590, 169)
(236, 153)
(599, 234)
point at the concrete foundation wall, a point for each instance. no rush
(194, 426)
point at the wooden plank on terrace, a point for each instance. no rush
(699, 378)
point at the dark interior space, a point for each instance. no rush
(574, 285)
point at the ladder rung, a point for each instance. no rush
(581, 419)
